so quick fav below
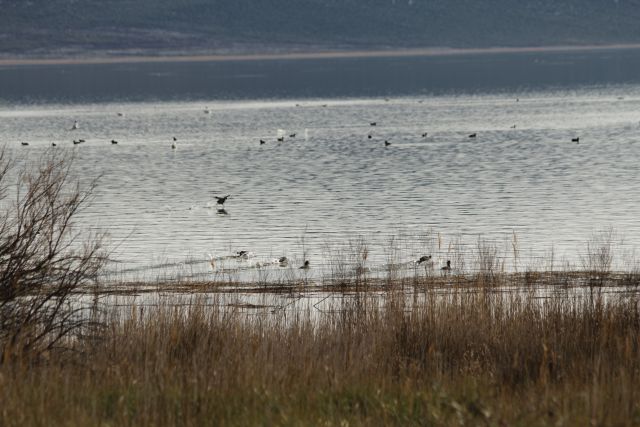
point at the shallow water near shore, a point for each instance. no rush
(320, 194)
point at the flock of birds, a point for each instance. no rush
(283, 261)
(386, 141)
(220, 200)
(174, 144)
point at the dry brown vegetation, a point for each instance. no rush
(458, 358)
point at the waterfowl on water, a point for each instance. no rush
(281, 139)
(387, 143)
(305, 266)
(75, 125)
(575, 140)
(447, 267)
(262, 141)
(283, 261)
(424, 135)
(424, 258)
(242, 254)
(473, 135)
(114, 142)
(24, 143)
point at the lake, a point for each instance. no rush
(319, 194)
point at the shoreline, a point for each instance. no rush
(398, 53)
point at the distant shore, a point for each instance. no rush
(308, 55)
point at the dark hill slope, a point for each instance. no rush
(78, 26)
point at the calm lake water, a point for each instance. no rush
(313, 195)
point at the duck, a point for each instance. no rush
(447, 267)
(473, 135)
(387, 143)
(424, 258)
(305, 266)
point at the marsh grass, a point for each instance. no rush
(454, 358)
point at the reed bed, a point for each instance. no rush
(459, 358)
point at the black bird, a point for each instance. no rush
(281, 139)
(76, 142)
(222, 211)
(114, 142)
(387, 143)
(369, 136)
(175, 139)
(283, 261)
(447, 267)
(262, 141)
(513, 127)
(293, 135)
(424, 135)
(81, 140)
(473, 135)
(242, 254)
(221, 200)
(53, 144)
(24, 143)
(575, 140)
(305, 266)
(424, 258)
(373, 124)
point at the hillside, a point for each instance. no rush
(78, 27)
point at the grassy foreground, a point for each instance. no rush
(462, 358)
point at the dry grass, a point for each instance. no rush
(459, 358)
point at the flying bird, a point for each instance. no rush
(221, 200)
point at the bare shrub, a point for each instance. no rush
(598, 258)
(43, 258)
